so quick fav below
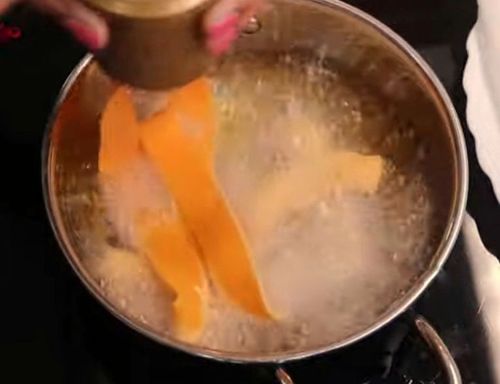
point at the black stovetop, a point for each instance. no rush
(57, 333)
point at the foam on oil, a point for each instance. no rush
(328, 270)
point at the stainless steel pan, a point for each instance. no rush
(339, 36)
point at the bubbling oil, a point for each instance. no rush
(328, 270)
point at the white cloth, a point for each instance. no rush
(485, 269)
(482, 85)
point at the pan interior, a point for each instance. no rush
(331, 270)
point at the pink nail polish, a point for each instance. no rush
(86, 35)
(230, 22)
(220, 43)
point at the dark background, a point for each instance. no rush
(53, 330)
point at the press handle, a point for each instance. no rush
(439, 348)
(433, 341)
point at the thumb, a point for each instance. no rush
(224, 20)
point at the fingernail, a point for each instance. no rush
(229, 22)
(84, 34)
(219, 44)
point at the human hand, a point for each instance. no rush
(224, 20)
(85, 25)
(221, 23)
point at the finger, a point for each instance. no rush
(220, 12)
(221, 42)
(5, 5)
(223, 21)
(225, 9)
(85, 25)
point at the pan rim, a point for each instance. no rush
(443, 251)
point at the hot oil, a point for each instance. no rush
(329, 269)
